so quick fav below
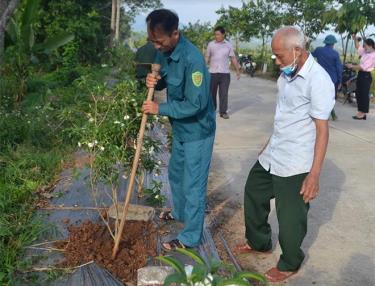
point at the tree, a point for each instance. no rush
(124, 12)
(308, 15)
(87, 20)
(230, 19)
(254, 19)
(260, 19)
(7, 9)
(23, 48)
(351, 17)
(198, 33)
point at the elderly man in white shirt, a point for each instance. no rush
(289, 166)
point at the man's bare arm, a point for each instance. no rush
(310, 186)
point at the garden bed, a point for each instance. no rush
(90, 241)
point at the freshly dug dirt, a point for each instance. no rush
(89, 241)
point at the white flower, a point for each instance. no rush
(104, 65)
(188, 270)
(79, 144)
(90, 144)
(157, 197)
(91, 120)
(139, 114)
(117, 122)
(151, 151)
(125, 176)
(126, 117)
(101, 148)
(95, 142)
(208, 280)
(159, 162)
(122, 124)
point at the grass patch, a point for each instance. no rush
(23, 170)
(35, 138)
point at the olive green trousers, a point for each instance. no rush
(291, 211)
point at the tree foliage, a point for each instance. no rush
(231, 20)
(200, 34)
(260, 18)
(308, 15)
(350, 17)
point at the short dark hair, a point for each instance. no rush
(220, 29)
(370, 42)
(163, 19)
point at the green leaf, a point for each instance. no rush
(173, 262)
(27, 34)
(215, 266)
(199, 273)
(192, 254)
(250, 275)
(175, 278)
(55, 42)
(13, 30)
(30, 14)
(233, 282)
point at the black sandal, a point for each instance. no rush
(173, 244)
(166, 216)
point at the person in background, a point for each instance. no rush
(330, 60)
(218, 54)
(364, 79)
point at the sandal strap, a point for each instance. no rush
(166, 215)
(173, 244)
(176, 243)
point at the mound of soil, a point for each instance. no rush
(90, 241)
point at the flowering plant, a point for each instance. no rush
(109, 136)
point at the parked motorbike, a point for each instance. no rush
(349, 85)
(247, 64)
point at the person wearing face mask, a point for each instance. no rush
(191, 113)
(289, 165)
(364, 79)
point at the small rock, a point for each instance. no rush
(153, 275)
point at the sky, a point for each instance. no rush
(191, 11)
(204, 11)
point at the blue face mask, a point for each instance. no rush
(289, 70)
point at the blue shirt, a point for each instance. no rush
(309, 94)
(329, 59)
(189, 103)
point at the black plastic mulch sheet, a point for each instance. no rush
(74, 192)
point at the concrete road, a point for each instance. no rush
(340, 244)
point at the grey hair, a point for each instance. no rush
(293, 37)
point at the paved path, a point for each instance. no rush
(340, 244)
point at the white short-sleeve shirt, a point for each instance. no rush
(310, 94)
